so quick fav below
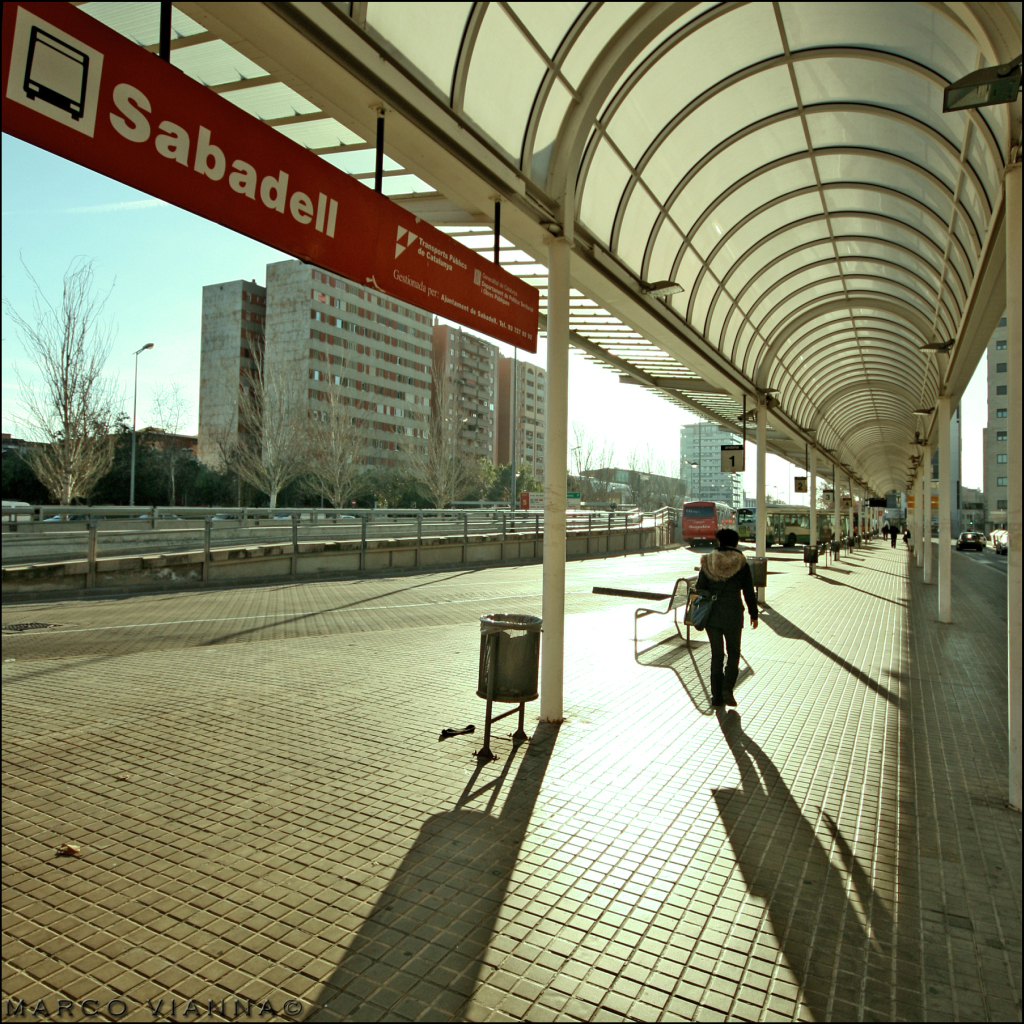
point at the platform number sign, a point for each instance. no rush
(800, 484)
(732, 458)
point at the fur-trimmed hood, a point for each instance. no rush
(720, 565)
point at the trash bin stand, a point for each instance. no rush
(485, 753)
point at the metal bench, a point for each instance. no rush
(679, 598)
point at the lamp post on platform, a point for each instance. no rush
(135, 403)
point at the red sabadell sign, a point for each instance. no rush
(77, 88)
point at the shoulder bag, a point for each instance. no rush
(699, 610)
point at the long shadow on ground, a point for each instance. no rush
(784, 863)
(423, 944)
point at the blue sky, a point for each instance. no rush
(157, 258)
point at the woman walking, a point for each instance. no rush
(725, 575)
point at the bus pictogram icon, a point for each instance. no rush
(56, 73)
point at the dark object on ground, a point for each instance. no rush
(642, 595)
(445, 733)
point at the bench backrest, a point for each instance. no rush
(679, 594)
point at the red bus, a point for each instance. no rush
(703, 519)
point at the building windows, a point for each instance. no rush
(1000, 414)
(1002, 481)
(1000, 367)
(1002, 505)
(1001, 389)
(1002, 458)
(1000, 344)
(1000, 435)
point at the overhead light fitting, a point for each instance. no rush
(661, 289)
(924, 412)
(983, 88)
(938, 346)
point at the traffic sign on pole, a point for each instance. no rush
(733, 458)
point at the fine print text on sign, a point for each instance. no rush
(81, 90)
(733, 458)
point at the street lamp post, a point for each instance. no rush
(135, 403)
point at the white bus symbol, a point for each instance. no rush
(56, 72)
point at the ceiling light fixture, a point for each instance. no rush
(660, 289)
(985, 87)
(924, 412)
(938, 346)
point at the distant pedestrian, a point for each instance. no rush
(885, 529)
(725, 574)
(894, 533)
(906, 538)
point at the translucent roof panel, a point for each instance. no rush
(744, 37)
(710, 124)
(215, 63)
(429, 36)
(140, 22)
(547, 23)
(503, 80)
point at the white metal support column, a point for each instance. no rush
(926, 504)
(945, 495)
(762, 512)
(837, 505)
(1014, 519)
(919, 524)
(812, 494)
(553, 605)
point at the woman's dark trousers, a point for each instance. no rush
(724, 672)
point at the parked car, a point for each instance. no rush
(1001, 541)
(970, 539)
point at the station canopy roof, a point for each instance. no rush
(788, 165)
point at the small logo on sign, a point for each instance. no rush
(404, 236)
(54, 74)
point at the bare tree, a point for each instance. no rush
(335, 452)
(273, 431)
(587, 459)
(73, 407)
(171, 411)
(641, 470)
(440, 467)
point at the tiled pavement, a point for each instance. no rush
(265, 811)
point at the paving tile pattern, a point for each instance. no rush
(265, 811)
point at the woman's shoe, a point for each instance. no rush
(730, 699)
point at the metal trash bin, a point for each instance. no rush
(509, 667)
(810, 554)
(758, 569)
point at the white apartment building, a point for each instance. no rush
(994, 436)
(700, 464)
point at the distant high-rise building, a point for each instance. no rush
(700, 464)
(529, 385)
(470, 365)
(232, 342)
(322, 333)
(994, 440)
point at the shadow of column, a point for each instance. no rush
(781, 626)
(785, 864)
(423, 944)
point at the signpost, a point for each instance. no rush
(77, 88)
(800, 484)
(733, 458)
(572, 499)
